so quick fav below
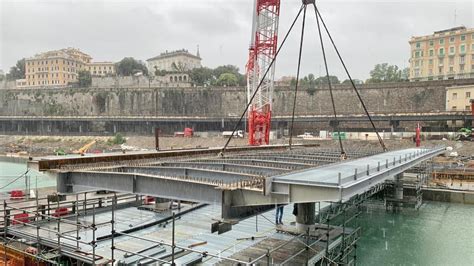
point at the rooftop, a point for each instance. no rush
(173, 54)
(61, 53)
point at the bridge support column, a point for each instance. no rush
(306, 216)
(398, 185)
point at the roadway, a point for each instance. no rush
(432, 116)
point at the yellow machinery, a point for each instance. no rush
(85, 148)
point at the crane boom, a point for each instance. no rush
(262, 52)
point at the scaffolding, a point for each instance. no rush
(62, 232)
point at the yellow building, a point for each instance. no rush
(458, 98)
(55, 68)
(101, 68)
(446, 54)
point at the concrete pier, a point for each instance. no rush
(398, 193)
(306, 216)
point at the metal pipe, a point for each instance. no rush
(172, 243)
(181, 247)
(5, 229)
(144, 256)
(59, 234)
(50, 216)
(93, 235)
(112, 248)
(77, 219)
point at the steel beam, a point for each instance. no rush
(229, 167)
(215, 175)
(142, 184)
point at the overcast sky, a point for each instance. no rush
(367, 32)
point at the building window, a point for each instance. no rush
(463, 37)
(451, 69)
(441, 41)
(462, 60)
(452, 39)
(462, 48)
(431, 52)
(468, 94)
(418, 45)
(430, 62)
(441, 51)
(461, 67)
(454, 108)
(431, 43)
(451, 50)
(455, 96)
(451, 61)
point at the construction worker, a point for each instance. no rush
(279, 213)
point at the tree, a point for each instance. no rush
(227, 79)
(202, 76)
(356, 81)
(17, 71)
(218, 71)
(387, 73)
(130, 66)
(206, 76)
(324, 80)
(405, 74)
(84, 78)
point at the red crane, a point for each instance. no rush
(262, 51)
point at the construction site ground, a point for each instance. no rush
(48, 145)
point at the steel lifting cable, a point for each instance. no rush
(261, 82)
(350, 78)
(14, 180)
(297, 77)
(343, 153)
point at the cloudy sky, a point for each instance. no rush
(367, 32)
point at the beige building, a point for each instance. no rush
(55, 68)
(458, 98)
(176, 61)
(101, 69)
(446, 54)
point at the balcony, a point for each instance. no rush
(441, 55)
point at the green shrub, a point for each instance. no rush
(117, 139)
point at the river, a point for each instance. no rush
(10, 170)
(438, 233)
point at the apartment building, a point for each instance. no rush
(101, 69)
(458, 98)
(445, 54)
(55, 68)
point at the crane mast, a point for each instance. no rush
(262, 52)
